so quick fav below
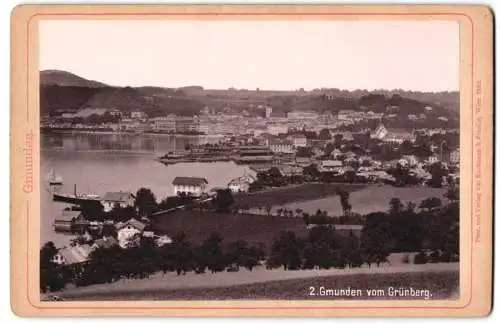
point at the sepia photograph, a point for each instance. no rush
(249, 160)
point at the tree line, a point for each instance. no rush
(433, 232)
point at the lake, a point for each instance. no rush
(98, 163)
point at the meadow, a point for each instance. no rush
(372, 198)
(442, 281)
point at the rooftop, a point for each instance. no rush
(133, 222)
(189, 181)
(75, 254)
(117, 196)
(68, 215)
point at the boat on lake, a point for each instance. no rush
(75, 198)
(55, 179)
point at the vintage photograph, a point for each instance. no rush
(244, 159)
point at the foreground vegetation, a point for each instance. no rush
(217, 241)
(442, 285)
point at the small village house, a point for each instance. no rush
(410, 160)
(380, 132)
(69, 220)
(194, 186)
(330, 165)
(73, 255)
(127, 230)
(398, 136)
(241, 184)
(138, 115)
(122, 199)
(434, 159)
(281, 146)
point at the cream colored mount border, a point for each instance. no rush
(476, 99)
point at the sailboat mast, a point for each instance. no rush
(75, 190)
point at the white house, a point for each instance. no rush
(277, 129)
(380, 132)
(126, 231)
(137, 114)
(433, 159)
(330, 166)
(281, 146)
(123, 199)
(193, 186)
(411, 160)
(241, 184)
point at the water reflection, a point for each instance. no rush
(121, 142)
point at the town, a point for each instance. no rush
(292, 159)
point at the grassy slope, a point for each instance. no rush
(442, 285)
(302, 192)
(252, 228)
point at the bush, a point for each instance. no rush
(420, 258)
(435, 257)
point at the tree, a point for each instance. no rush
(286, 250)
(338, 138)
(430, 204)
(324, 134)
(145, 202)
(93, 211)
(47, 252)
(212, 249)
(52, 277)
(306, 218)
(223, 200)
(410, 207)
(179, 255)
(375, 238)
(311, 171)
(453, 193)
(344, 201)
(396, 206)
(437, 172)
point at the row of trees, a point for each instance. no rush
(400, 230)
(143, 258)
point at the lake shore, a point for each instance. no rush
(69, 131)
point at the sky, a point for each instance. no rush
(277, 55)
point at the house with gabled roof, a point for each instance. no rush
(127, 230)
(122, 199)
(194, 186)
(69, 220)
(72, 255)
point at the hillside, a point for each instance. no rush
(65, 90)
(63, 78)
(60, 90)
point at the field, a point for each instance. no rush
(252, 228)
(369, 199)
(442, 281)
(303, 192)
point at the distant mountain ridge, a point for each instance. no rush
(68, 79)
(61, 90)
